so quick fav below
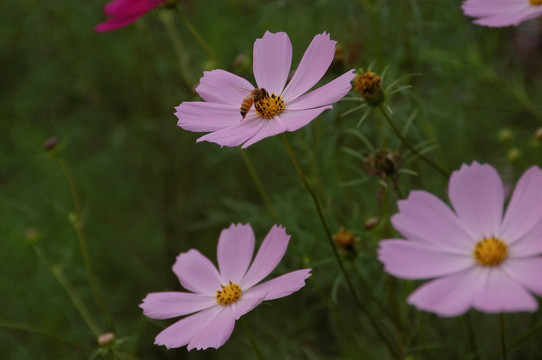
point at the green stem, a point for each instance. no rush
(77, 223)
(471, 334)
(252, 340)
(365, 287)
(329, 236)
(59, 275)
(520, 339)
(259, 184)
(71, 183)
(503, 336)
(198, 37)
(184, 66)
(12, 325)
(410, 147)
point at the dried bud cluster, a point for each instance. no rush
(367, 84)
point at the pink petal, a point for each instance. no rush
(415, 260)
(529, 244)
(509, 19)
(216, 333)
(234, 252)
(484, 8)
(269, 255)
(281, 286)
(183, 331)
(270, 127)
(324, 95)
(236, 134)
(448, 296)
(272, 58)
(502, 293)
(124, 7)
(116, 22)
(425, 218)
(296, 119)
(524, 210)
(223, 87)
(202, 116)
(312, 67)
(526, 271)
(197, 273)
(246, 303)
(124, 12)
(477, 194)
(165, 305)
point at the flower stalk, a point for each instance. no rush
(252, 339)
(391, 347)
(410, 147)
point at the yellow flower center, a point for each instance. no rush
(269, 106)
(535, 2)
(228, 294)
(490, 251)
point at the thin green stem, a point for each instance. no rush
(13, 325)
(471, 334)
(184, 66)
(503, 336)
(392, 348)
(259, 185)
(56, 270)
(73, 189)
(366, 290)
(252, 340)
(198, 37)
(521, 339)
(410, 147)
(76, 220)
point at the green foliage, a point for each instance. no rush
(149, 192)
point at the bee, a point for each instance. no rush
(255, 96)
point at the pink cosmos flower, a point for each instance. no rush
(498, 13)
(479, 257)
(219, 297)
(286, 108)
(124, 12)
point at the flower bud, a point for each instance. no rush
(505, 135)
(51, 143)
(371, 223)
(538, 134)
(345, 240)
(367, 84)
(31, 235)
(106, 339)
(383, 163)
(513, 155)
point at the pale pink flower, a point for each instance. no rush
(123, 12)
(210, 320)
(499, 13)
(479, 258)
(289, 107)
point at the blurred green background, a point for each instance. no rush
(148, 191)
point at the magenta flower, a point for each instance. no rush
(123, 12)
(218, 298)
(479, 257)
(281, 108)
(498, 13)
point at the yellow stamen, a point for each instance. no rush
(269, 106)
(535, 2)
(490, 251)
(228, 294)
